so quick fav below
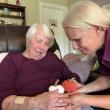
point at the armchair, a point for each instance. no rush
(12, 39)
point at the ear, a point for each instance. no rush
(27, 41)
(99, 30)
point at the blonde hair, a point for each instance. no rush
(85, 13)
(35, 28)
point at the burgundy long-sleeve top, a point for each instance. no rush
(104, 55)
(27, 77)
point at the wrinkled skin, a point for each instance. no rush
(48, 101)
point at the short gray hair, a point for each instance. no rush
(35, 28)
(85, 13)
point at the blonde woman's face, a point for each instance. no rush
(86, 40)
(38, 45)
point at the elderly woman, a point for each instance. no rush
(87, 26)
(25, 77)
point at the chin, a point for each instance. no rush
(42, 56)
(87, 55)
(88, 52)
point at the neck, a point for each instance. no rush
(27, 55)
(103, 37)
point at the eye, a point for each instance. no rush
(47, 44)
(77, 40)
(38, 40)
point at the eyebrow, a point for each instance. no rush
(75, 38)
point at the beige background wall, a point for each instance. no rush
(71, 2)
(32, 8)
(107, 6)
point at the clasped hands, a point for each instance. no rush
(56, 101)
(67, 101)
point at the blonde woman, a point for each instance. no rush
(87, 26)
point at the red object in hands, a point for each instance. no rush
(69, 85)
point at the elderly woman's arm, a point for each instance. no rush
(9, 103)
(14, 102)
(45, 101)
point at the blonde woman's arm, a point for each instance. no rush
(101, 83)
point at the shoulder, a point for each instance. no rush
(106, 56)
(53, 58)
(13, 61)
(14, 55)
(108, 31)
(51, 55)
(11, 56)
(3, 55)
(108, 36)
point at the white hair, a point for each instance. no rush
(85, 13)
(35, 28)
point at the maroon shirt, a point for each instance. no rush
(28, 77)
(104, 56)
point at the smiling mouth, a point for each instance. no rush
(83, 50)
(38, 52)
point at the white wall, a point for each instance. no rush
(32, 8)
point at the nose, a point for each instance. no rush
(42, 46)
(75, 45)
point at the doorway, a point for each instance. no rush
(53, 16)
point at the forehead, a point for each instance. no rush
(40, 35)
(74, 33)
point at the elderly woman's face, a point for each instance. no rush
(38, 45)
(87, 40)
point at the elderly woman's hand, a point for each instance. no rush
(53, 101)
(39, 102)
(48, 101)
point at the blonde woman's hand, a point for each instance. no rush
(75, 100)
